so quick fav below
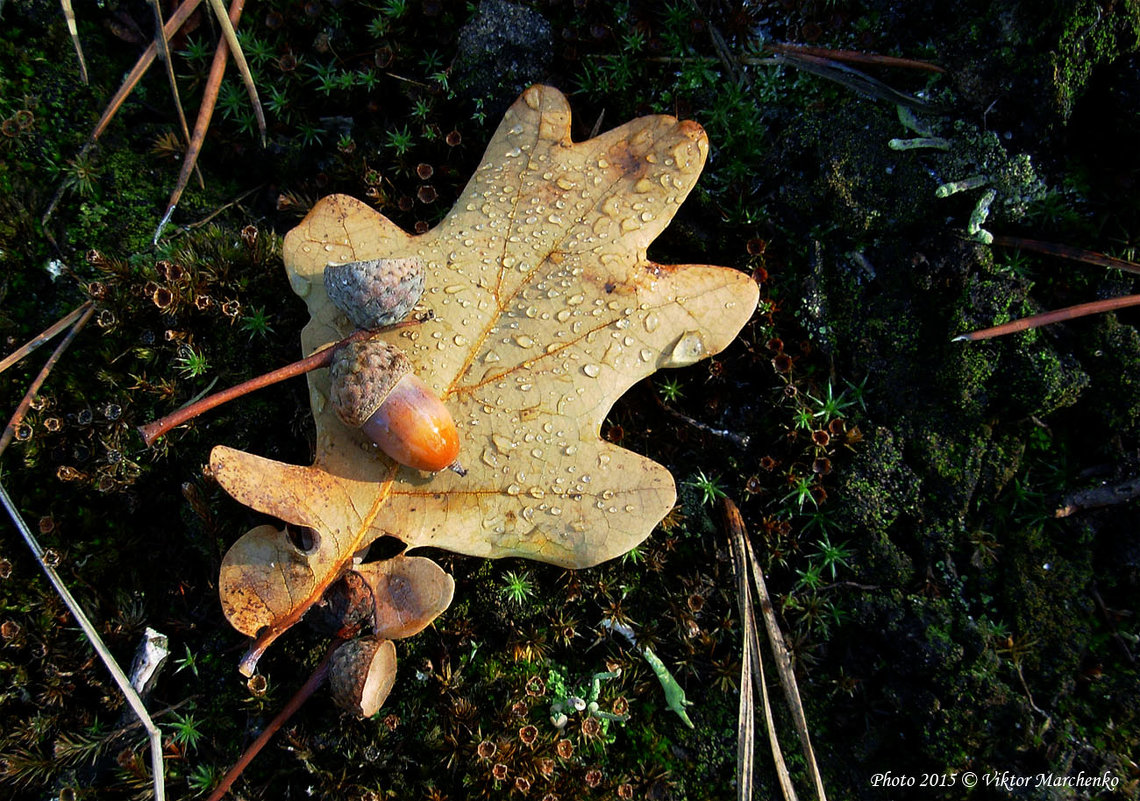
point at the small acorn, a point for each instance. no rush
(376, 292)
(375, 390)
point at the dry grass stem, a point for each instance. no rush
(45, 335)
(230, 36)
(69, 15)
(22, 409)
(205, 113)
(153, 733)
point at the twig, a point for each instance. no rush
(1067, 252)
(97, 643)
(45, 335)
(22, 409)
(320, 673)
(1046, 318)
(202, 124)
(321, 358)
(163, 43)
(238, 56)
(1096, 497)
(854, 56)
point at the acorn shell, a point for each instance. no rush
(361, 674)
(376, 292)
(363, 374)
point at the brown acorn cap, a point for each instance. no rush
(376, 292)
(361, 675)
(409, 592)
(362, 374)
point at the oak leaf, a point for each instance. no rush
(541, 309)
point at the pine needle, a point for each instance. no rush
(230, 36)
(181, 14)
(742, 553)
(42, 337)
(22, 408)
(205, 113)
(1046, 318)
(167, 59)
(97, 643)
(69, 15)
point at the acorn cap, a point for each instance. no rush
(376, 292)
(361, 674)
(363, 374)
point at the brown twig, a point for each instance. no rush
(45, 335)
(22, 409)
(314, 361)
(854, 56)
(320, 673)
(1038, 320)
(202, 124)
(1067, 252)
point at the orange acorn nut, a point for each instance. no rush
(375, 390)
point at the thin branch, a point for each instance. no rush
(97, 643)
(1068, 252)
(1097, 497)
(22, 409)
(1046, 318)
(45, 335)
(202, 124)
(163, 43)
(320, 673)
(321, 358)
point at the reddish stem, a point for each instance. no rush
(1068, 252)
(21, 410)
(300, 697)
(321, 358)
(1037, 320)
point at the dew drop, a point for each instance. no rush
(523, 341)
(592, 370)
(652, 322)
(513, 489)
(536, 492)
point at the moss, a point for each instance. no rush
(1089, 38)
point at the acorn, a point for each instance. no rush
(361, 674)
(375, 390)
(376, 292)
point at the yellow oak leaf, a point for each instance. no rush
(541, 309)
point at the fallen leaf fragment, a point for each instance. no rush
(541, 310)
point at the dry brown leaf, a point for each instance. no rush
(545, 310)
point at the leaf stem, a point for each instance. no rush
(321, 358)
(300, 697)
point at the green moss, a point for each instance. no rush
(1090, 37)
